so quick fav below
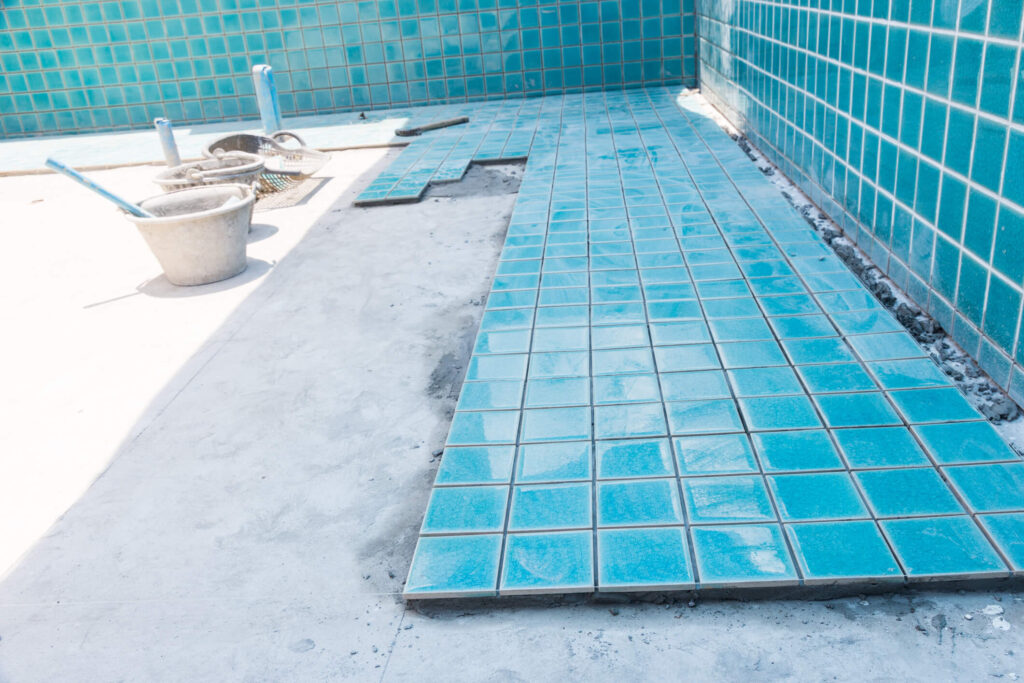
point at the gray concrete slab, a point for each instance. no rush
(226, 484)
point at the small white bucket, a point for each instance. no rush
(199, 234)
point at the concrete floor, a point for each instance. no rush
(240, 471)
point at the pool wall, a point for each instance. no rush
(68, 66)
(904, 121)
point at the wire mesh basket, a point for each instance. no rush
(282, 165)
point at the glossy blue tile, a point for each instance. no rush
(560, 391)
(556, 424)
(964, 442)
(834, 551)
(476, 465)
(643, 559)
(537, 507)
(816, 497)
(559, 364)
(942, 547)
(490, 395)
(634, 458)
(689, 357)
(702, 417)
(511, 367)
(836, 377)
(827, 350)
(712, 500)
(933, 405)
(779, 412)
(906, 492)
(776, 381)
(740, 329)
(751, 354)
(714, 454)
(803, 326)
(463, 509)
(626, 389)
(886, 346)
(561, 339)
(512, 341)
(685, 386)
(620, 361)
(738, 555)
(619, 336)
(455, 566)
(990, 487)
(546, 462)
(908, 374)
(559, 562)
(856, 410)
(637, 503)
(880, 447)
(481, 428)
(796, 450)
(1008, 532)
(623, 421)
(686, 332)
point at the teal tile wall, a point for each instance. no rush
(68, 66)
(904, 121)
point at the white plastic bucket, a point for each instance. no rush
(199, 234)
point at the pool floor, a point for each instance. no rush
(677, 385)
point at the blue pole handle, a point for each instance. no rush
(266, 97)
(166, 133)
(133, 209)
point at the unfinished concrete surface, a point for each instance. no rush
(244, 468)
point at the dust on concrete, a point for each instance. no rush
(482, 180)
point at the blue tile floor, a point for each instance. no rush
(677, 385)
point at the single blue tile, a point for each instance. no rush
(559, 364)
(560, 562)
(745, 307)
(685, 386)
(556, 424)
(703, 417)
(791, 304)
(537, 507)
(619, 336)
(626, 389)
(481, 428)
(715, 454)
(640, 502)
(553, 462)
(905, 492)
(933, 405)
(886, 346)
(779, 412)
(622, 421)
(461, 509)
(740, 329)
(830, 551)
(727, 499)
(991, 487)
(634, 458)
(614, 314)
(511, 341)
(507, 319)
(561, 339)
(942, 546)
(814, 497)
(880, 447)
(825, 350)
(751, 354)
(686, 332)
(643, 559)
(455, 566)
(1008, 533)
(803, 327)
(559, 391)
(689, 357)
(796, 450)
(908, 374)
(856, 410)
(670, 311)
(476, 465)
(561, 316)
(742, 554)
(497, 367)
(620, 361)
(866, 322)
(834, 377)
(495, 395)
(964, 442)
(765, 381)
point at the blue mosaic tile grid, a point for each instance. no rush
(71, 66)
(677, 385)
(904, 121)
